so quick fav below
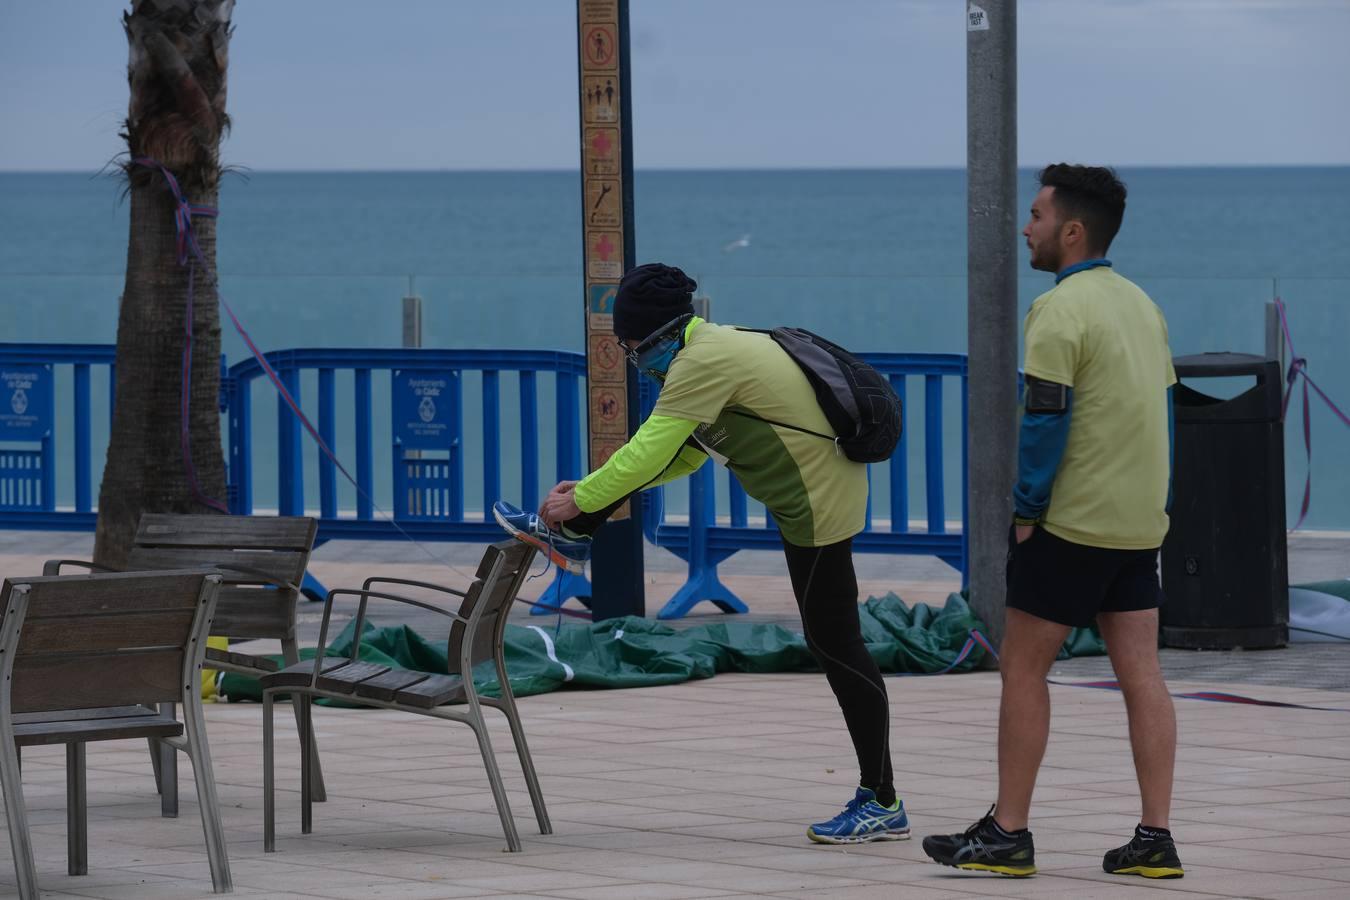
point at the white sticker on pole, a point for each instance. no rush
(976, 18)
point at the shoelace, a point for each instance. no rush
(988, 818)
(549, 536)
(850, 808)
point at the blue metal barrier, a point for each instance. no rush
(707, 539)
(28, 472)
(429, 455)
(429, 440)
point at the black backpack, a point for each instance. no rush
(859, 402)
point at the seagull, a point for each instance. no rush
(742, 241)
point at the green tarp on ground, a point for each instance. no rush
(640, 652)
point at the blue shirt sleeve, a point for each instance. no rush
(1171, 448)
(1040, 447)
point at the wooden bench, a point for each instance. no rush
(477, 630)
(86, 658)
(262, 562)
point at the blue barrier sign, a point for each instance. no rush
(422, 409)
(26, 404)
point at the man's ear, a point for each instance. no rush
(1073, 232)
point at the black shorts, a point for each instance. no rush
(1069, 583)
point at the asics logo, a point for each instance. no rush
(971, 851)
(977, 849)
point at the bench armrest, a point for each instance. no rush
(365, 595)
(261, 575)
(422, 584)
(53, 566)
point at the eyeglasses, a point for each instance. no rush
(630, 353)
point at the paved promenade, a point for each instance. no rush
(703, 790)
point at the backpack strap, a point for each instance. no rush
(746, 415)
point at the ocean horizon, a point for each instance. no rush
(873, 258)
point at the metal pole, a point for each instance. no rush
(609, 249)
(703, 306)
(991, 306)
(1274, 336)
(412, 316)
(412, 334)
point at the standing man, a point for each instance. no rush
(1091, 500)
(738, 397)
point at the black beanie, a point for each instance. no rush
(649, 297)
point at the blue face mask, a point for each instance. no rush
(654, 355)
(656, 360)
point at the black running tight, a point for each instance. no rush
(827, 596)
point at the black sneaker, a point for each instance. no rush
(985, 848)
(1152, 856)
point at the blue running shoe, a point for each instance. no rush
(863, 820)
(569, 553)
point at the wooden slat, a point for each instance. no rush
(489, 558)
(109, 728)
(457, 628)
(432, 692)
(240, 662)
(75, 715)
(517, 554)
(254, 612)
(123, 592)
(299, 674)
(262, 532)
(105, 633)
(287, 566)
(258, 663)
(384, 687)
(78, 681)
(345, 679)
(497, 597)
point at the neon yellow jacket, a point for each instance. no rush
(657, 454)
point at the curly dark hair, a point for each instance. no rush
(1091, 194)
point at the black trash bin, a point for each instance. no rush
(1224, 563)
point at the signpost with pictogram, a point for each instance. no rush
(607, 247)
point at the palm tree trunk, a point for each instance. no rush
(178, 63)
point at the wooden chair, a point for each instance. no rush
(85, 658)
(262, 562)
(476, 635)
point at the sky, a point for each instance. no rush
(469, 84)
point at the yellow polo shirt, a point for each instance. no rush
(1100, 334)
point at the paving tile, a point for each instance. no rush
(509, 896)
(983, 884)
(542, 881)
(1132, 891)
(1329, 845)
(1335, 873)
(177, 889)
(644, 809)
(819, 860)
(637, 891)
(1255, 884)
(907, 890)
(1339, 806)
